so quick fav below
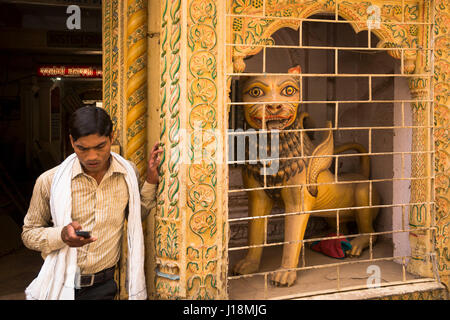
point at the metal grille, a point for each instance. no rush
(342, 110)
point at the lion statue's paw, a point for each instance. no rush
(358, 245)
(283, 278)
(246, 266)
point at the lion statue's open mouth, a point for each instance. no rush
(274, 122)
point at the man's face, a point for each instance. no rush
(93, 151)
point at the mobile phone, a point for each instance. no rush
(84, 234)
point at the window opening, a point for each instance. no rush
(362, 92)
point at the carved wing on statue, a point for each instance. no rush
(317, 165)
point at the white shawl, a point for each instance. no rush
(56, 280)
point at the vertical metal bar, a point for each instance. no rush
(300, 36)
(403, 269)
(303, 255)
(338, 278)
(264, 60)
(336, 11)
(403, 113)
(371, 247)
(403, 166)
(370, 88)
(337, 222)
(301, 87)
(264, 118)
(264, 170)
(403, 217)
(266, 293)
(302, 133)
(402, 61)
(336, 168)
(336, 115)
(265, 230)
(336, 61)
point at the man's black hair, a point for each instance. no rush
(90, 120)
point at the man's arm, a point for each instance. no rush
(148, 198)
(38, 233)
(149, 187)
(147, 192)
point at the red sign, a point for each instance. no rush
(70, 71)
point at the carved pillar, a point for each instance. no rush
(420, 214)
(113, 69)
(190, 226)
(420, 211)
(136, 83)
(441, 141)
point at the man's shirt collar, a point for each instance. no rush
(114, 167)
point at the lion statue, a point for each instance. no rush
(297, 168)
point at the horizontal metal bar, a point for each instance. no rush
(337, 156)
(322, 266)
(274, 244)
(261, 131)
(329, 210)
(329, 102)
(335, 75)
(330, 183)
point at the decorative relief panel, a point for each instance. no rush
(441, 34)
(205, 214)
(190, 217)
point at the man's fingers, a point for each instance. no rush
(156, 148)
(71, 232)
(76, 225)
(80, 241)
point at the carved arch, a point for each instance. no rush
(252, 31)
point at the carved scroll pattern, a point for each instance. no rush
(136, 83)
(111, 66)
(441, 84)
(202, 253)
(168, 219)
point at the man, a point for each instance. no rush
(100, 194)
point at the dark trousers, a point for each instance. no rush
(100, 291)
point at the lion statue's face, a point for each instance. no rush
(282, 91)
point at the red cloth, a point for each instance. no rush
(332, 247)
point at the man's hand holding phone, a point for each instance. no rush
(70, 237)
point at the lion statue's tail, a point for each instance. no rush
(365, 160)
